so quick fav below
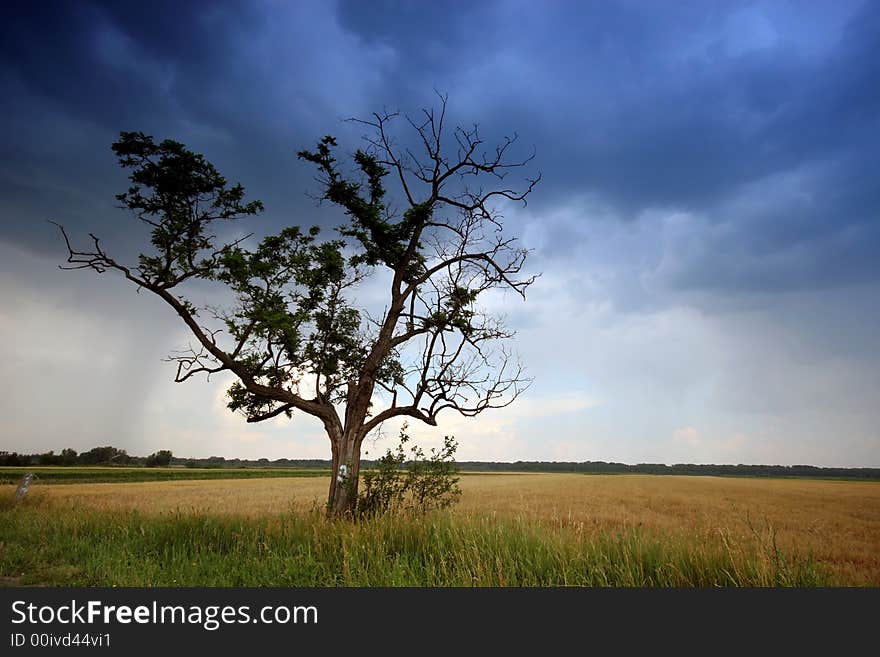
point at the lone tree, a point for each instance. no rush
(293, 338)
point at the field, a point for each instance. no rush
(509, 529)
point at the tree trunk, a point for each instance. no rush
(334, 442)
(344, 482)
(347, 449)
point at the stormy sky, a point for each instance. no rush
(706, 230)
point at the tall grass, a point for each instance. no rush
(42, 544)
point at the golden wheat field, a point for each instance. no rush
(836, 522)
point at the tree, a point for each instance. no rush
(49, 458)
(162, 458)
(107, 454)
(68, 456)
(293, 338)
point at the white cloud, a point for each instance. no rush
(687, 436)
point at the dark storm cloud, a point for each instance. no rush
(636, 105)
(815, 231)
(682, 108)
(77, 74)
(106, 60)
(603, 89)
(217, 76)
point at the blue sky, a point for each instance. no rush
(707, 227)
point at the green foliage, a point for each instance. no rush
(49, 458)
(413, 484)
(179, 194)
(68, 456)
(162, 458)
(104, 455)
(292, 316)
(383, 241)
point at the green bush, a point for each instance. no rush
(416, 484)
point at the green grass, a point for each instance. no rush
(41, 544)
(98, 474)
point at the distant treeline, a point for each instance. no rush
(96, 456)
(602, 467)
(114, 456)
(108, 456)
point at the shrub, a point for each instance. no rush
(414, 485)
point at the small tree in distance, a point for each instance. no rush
(294, 339)
(162, 458)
